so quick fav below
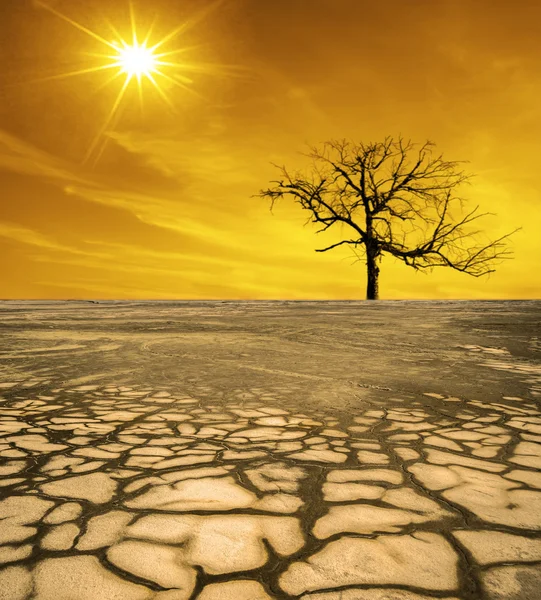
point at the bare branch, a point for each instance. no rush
(351, 242)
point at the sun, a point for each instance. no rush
(135, 60)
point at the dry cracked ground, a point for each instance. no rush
(270, 450)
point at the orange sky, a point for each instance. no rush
(167, 211)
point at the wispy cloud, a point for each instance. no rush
(20, 157)
(163, 211)
(27, 236)
(182, 211)
(166, 274)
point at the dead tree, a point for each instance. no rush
(392, 197)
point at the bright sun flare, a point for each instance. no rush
(135, 60)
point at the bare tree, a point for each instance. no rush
(394, 197)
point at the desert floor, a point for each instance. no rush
(257, 450)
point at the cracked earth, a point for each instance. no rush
(256, 451)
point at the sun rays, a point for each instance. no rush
(134, 61)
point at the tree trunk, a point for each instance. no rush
(372, 273)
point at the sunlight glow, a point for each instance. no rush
(136, 61)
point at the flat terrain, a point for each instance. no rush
(270, 450)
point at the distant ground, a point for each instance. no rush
(254, 450)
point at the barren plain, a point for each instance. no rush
(270, 450)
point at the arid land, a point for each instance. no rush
(270, 450)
